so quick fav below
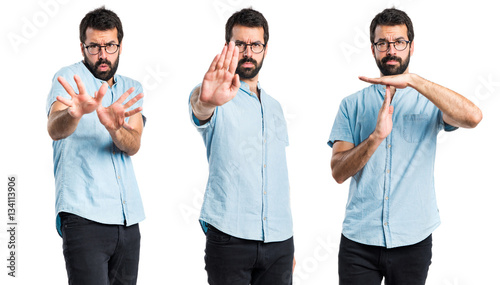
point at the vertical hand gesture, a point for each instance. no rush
(220, 83)
(81, 103)
(113, 117)
(384, 120)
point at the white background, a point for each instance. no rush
(316, 51)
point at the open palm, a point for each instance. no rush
(81, 103)
(220, 83)
(113, 116)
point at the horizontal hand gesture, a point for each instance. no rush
(220, 83)
(81, 103)
(399, 81)
(113, 117)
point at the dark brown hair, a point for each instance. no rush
(247, 17)
(391, 17)
(100, 19)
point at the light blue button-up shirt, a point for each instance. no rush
(391, 200)
(247, 194)
(94, 179)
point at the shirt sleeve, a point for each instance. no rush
(341, 130)
(281, 126)
(137, 90)
(447, 127)
(58, 90)
(195, 120)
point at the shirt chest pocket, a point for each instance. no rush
(415, 127)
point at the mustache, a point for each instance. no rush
(247, 59)
(101, 61)
(392, 57)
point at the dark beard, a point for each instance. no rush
(248, 73)
(393, 70)
(102, 75)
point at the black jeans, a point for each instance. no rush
(364, 264)
(98, 254)
(234, 261)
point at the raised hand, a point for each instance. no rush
(399, 81)
(81, 103)
(384, 120)
(220, 83)
(113, 117)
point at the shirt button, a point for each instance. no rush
(265, 192)
(388, 171)
(385, 224)
(113, 152)
(387, 198)
(389, 146)
(119, 177)
(265, 166)
(264, 218)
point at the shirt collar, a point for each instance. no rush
(246, 88)
(381, 90)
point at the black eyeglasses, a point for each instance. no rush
(399, 45)
(94, 49)
(256, 47)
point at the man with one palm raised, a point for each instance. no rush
(246, 210)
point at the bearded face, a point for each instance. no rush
(393, 69)
(248, 67)
(102, 69)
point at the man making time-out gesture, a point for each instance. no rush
(384, 137)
